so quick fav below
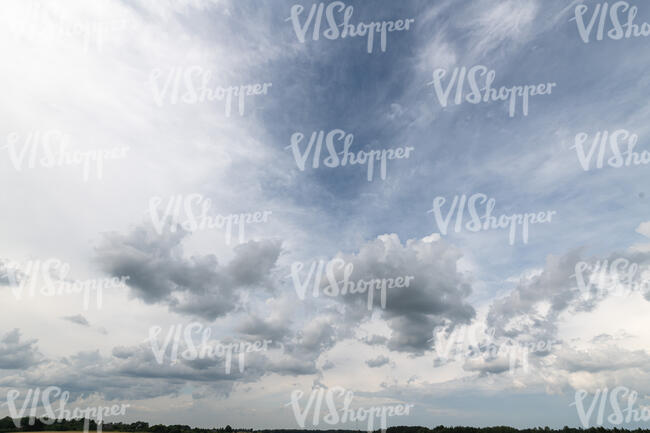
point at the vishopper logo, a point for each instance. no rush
(342, 29)
(182, 337)
(464, 343)
(343, 413)
(461, 343)
(481, 90)
(43, 23)
(50, 278)
(618, 416)
(616, 278)
(617, 29)
(192, 85)
(51, 148)
(191, 213)
(487, 221)
(50, 414)
(340, 138)
(343, 286)
(615, 140)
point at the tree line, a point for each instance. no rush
(7, 425)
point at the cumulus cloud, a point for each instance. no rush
(259, 328)
(302, 349)
(534, 306)
(436, 292)
(517, 313)
(198, 286)
(16, 354)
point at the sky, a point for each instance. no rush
(180, 172)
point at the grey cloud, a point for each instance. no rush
(124, 352)
(379, 361)
(133, 373)
(10, 275)
(253, 262)
(16, 354)
(604, 358)
(553, 285)
(557, 286)
(261, 329)
(206, 306)
(328, 365)
(302, 349)
(608, 338)
(412, 333)
(317, 335)
(5, 280)
(436, 293)
(198, 286)
(375, 340)
(495, 365)
(78, 319)
(293, 367)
